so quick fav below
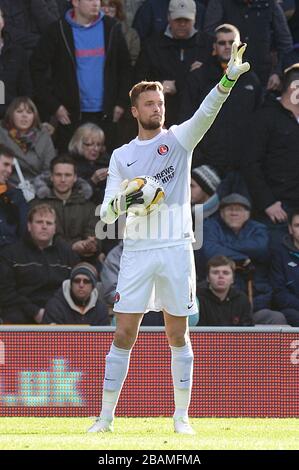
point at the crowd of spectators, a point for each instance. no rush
(66, 67)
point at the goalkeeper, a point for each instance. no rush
(158, 273)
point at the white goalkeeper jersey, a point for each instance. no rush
(167, 158)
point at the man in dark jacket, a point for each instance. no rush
(90, 70)
(14, 69)
(45, 12)
(285, 272)
(151, 17)
(76, 219)
(271, 163)
(235, 235)
(221, 304)
(223, 145)
(32, 269)
(18, 23)
(261, 23)
(168, 56)
(77, 301)
(13, 207)
(28, 19)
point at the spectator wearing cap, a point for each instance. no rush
(151, 17)
(234, 234)
(223, 145)
(271, 157)
(204, 183)
(169, 55)
(77, 302)
(204, 202)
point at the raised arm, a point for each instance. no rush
(190, 132)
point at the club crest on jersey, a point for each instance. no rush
(163, 149)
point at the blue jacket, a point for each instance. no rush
(13, 216)
(251, 242)
(285, 275)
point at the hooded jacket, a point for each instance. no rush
(75, 217)
(61, 309)
(56, 49)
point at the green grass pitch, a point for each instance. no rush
(149, 434)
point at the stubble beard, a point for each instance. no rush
(152, 125)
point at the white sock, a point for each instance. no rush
(182, 372)
(117, 365)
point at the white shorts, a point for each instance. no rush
(157, 279)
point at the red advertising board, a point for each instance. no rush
(236, 373)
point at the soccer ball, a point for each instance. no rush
(153, 195)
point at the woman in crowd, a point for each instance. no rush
(87, 147)
(22, 132)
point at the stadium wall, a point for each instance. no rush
(239, 372)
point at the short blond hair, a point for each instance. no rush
(40, 209)
(228, 28)
(141, 87)
(89, 128)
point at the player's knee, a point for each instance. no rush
(176, 338)
(124, 338)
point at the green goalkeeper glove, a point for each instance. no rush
(235, 67)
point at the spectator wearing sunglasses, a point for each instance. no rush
(77, 302)
(263, 26)
(222, 146)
